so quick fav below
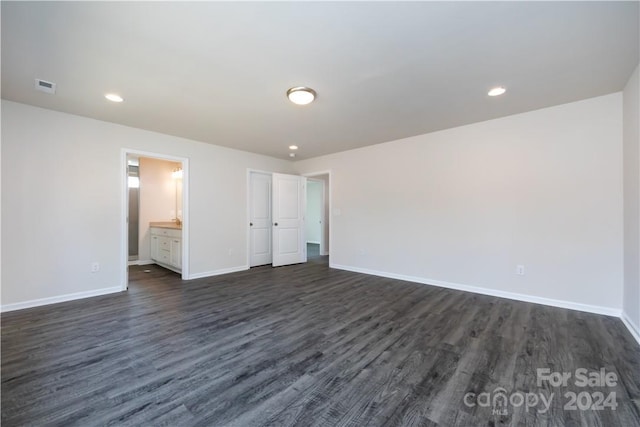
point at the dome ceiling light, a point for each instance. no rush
(301, 95)
(497, 91)
(114, 97)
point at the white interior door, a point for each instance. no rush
(289, 205)
(260, 219)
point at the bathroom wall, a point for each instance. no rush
(158, 202)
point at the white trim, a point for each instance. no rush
(124, 275)
(607, 311)
(124, 223)
(248, 203)
(635, 332)
(218, 272)
(248, 218)
(59, 298)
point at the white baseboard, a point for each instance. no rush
(634, 329)
(217, 272)
(607, 311)
(59, 298)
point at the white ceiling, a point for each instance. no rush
(218, 72)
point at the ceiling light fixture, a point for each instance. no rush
(301, 95)
(293, 147)
(176, 173)
(113, 97)
(292, 154)
(496, 91)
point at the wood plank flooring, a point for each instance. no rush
(305, 345)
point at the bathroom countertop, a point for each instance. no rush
(166, 224)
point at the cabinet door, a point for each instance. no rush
(176, 253)
(155, 247)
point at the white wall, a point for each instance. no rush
(314, 211)
(158, 192)
(464, 206)
(631, 133)
(62, 181)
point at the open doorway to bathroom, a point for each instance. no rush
(155, 214)
(155, 199)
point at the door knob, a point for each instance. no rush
(275, 223)
(250, 224)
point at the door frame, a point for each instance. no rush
(324, 220)
(124, 223)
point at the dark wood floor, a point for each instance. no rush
(303, 345)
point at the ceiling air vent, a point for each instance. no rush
(45, 86)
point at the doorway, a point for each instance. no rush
(277, 199)
(318, 213)
(155, 210)
(314, 216)
(276, 206)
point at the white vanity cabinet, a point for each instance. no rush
(166, 247)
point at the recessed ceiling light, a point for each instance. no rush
(113, 97)
(496, 91)
(301, 95)
(292, 154)
(293, 147)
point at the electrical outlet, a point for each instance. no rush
(520, 270)
(95, 267)
(230, 251)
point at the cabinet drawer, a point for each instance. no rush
(168, 232)
(164, 243)
(164, 256)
